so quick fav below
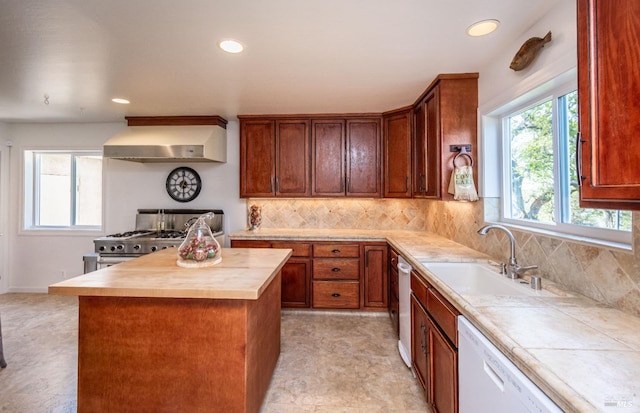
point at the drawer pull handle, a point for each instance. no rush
(336, 251)
(335, 295)
(335, 269)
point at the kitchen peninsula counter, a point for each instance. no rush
(153, 336)
(582, 353)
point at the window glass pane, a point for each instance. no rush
(54, 189)
(88, 190)
(532, 180)
(598, 218)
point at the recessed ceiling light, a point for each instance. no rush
(483, 27)
(231, 46)
(120, 100)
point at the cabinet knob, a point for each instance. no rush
(336, 295)
(336, 251)
(335, 269)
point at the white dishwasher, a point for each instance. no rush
(404, 290)
(491, 383)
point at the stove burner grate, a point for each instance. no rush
(127, 234)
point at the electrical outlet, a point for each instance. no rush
(63, 273)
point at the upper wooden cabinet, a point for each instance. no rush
(346, 157)
(444, 115)
(608, 98)
(257, 158)
(274, 158)
(397, 153)
(328, 160)
(364, 158)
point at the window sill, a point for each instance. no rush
(593, 242)
(67, 232)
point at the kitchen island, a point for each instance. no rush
(155, 337)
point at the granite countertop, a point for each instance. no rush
(583, 354)
(242, 274)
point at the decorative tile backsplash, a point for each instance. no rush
(342, 213)
(608, 275)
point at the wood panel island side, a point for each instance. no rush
(155, 337)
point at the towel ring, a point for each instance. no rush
(462, 154)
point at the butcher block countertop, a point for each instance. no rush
(584, 354)
(243, 274)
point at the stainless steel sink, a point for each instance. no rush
(480, 279)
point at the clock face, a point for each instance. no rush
(183, 184)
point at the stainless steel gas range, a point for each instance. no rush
(155, 229)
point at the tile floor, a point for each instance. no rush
(330, 362)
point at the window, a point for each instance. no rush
(540, 185)
(63, 190)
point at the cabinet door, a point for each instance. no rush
(419, 145)
(420, 344)
(608, 94)
(432, 145)
(292, 158)
(328, 161)
(444, 372)
(364, 158)
(397, 155)
(257, 158)
(296, 283)
(375, 281)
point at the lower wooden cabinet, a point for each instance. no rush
(435, 355)
(336, 275)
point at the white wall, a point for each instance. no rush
(36, 260)
(4, 207)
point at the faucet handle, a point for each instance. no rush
(521, 270)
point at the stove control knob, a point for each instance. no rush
(120, 247)
(113, 248)
(102, 248)
(154, 248)
(137, 247)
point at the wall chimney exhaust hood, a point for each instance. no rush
(170, 139)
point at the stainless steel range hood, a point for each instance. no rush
(169, 143)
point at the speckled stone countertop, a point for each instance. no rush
(583, 354)
(243, 274)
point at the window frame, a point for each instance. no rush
(31, 186)
(560, 166)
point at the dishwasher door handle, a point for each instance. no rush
(497, 380)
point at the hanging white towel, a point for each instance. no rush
(462, 186)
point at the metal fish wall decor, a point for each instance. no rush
(528, 52)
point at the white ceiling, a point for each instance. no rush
(301, 56)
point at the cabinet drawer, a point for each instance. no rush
(419, 288)
(336, 250)
(299, 250)
(336, 269)
(330, 294)
(250, 243)
(445, 315)
(394, 259)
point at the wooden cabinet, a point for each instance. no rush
(274, 158)
(336, 278)
(296, 273)
(444, 115)
(328, 158)
(434, 345)
(321, 274)
(364, 158)
(257, 158)
(394, 291)
(346, 157)
(608, 96)
(375, 276)
(397, 138)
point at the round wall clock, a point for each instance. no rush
(183, 184)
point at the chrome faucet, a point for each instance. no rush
(514, 270)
